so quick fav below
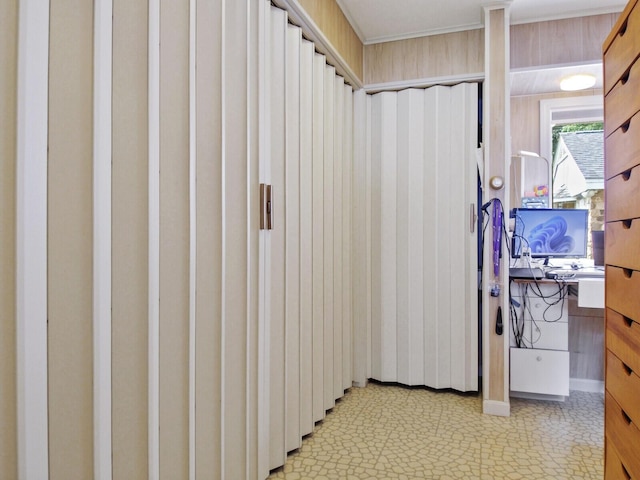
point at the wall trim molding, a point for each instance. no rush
(493, 407)
(424, 82)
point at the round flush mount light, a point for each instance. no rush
(579, 81)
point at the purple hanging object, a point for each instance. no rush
(497, 236)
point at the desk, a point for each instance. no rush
(544, 358)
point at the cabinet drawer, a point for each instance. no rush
(622, 148)
(545, 335)
(539, 371)
(614, 469)
(624, 434)
(624, 384)
(622, 287)
(623, 339)
(536, 308)
(622, 102)
(622, 244)
(622, 51)
(621, 202)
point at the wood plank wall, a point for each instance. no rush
(425, 57)
(560, 41)
(328, 16)
(8, 93)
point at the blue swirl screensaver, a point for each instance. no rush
(552, 232)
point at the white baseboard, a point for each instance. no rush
(493, 407)
(586, 385)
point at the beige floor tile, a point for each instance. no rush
(391, 432)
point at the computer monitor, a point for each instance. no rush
(550, 233)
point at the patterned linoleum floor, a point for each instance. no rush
(390, 432)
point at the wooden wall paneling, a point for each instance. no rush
(306, 238)
(586, 342)
(329, 116)
(328, 16)
(70, 241)
(292, 238)
(416, 231)
(450, 54)
(496, 107)
(318, 237)
(401, 281)
(338, 205)
(553, 42)
(431, 190)
(277, 378)
(359, 240)
(209, 253)
(8, 352)
(347, 253)
(375, 177)
(130, 241)
(174, 240)
(388, 236)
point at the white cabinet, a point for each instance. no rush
(539, 339)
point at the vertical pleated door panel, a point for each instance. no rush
(306, 238)
(306, 279)
(410, 222)
(318, 236)
(347, 227)
(422, 162)
(292, 238)
(338, 137)
(328, 201)
(383, 193)
(277, 251)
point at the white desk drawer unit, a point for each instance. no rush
(540, 371)
(539, 361)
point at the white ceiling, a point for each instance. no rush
(385, 20)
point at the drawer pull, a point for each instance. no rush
(626, 175)
(627, 369)
(628, 321)
(624, 472)
(625, 126)
(539, 358)
(623, 28)
(626, 417)
(625, 77)
(627, 272)
(626, 224)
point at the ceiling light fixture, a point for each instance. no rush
(579, 81)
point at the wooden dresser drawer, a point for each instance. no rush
(622, 102)
(615, 469)
(622, 291)
(623, 339)
(623, 50)
(622, 244)
(621, 202)
(622, 148)
(624, 384)
(624, 434)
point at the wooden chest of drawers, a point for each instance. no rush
(621, 52)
